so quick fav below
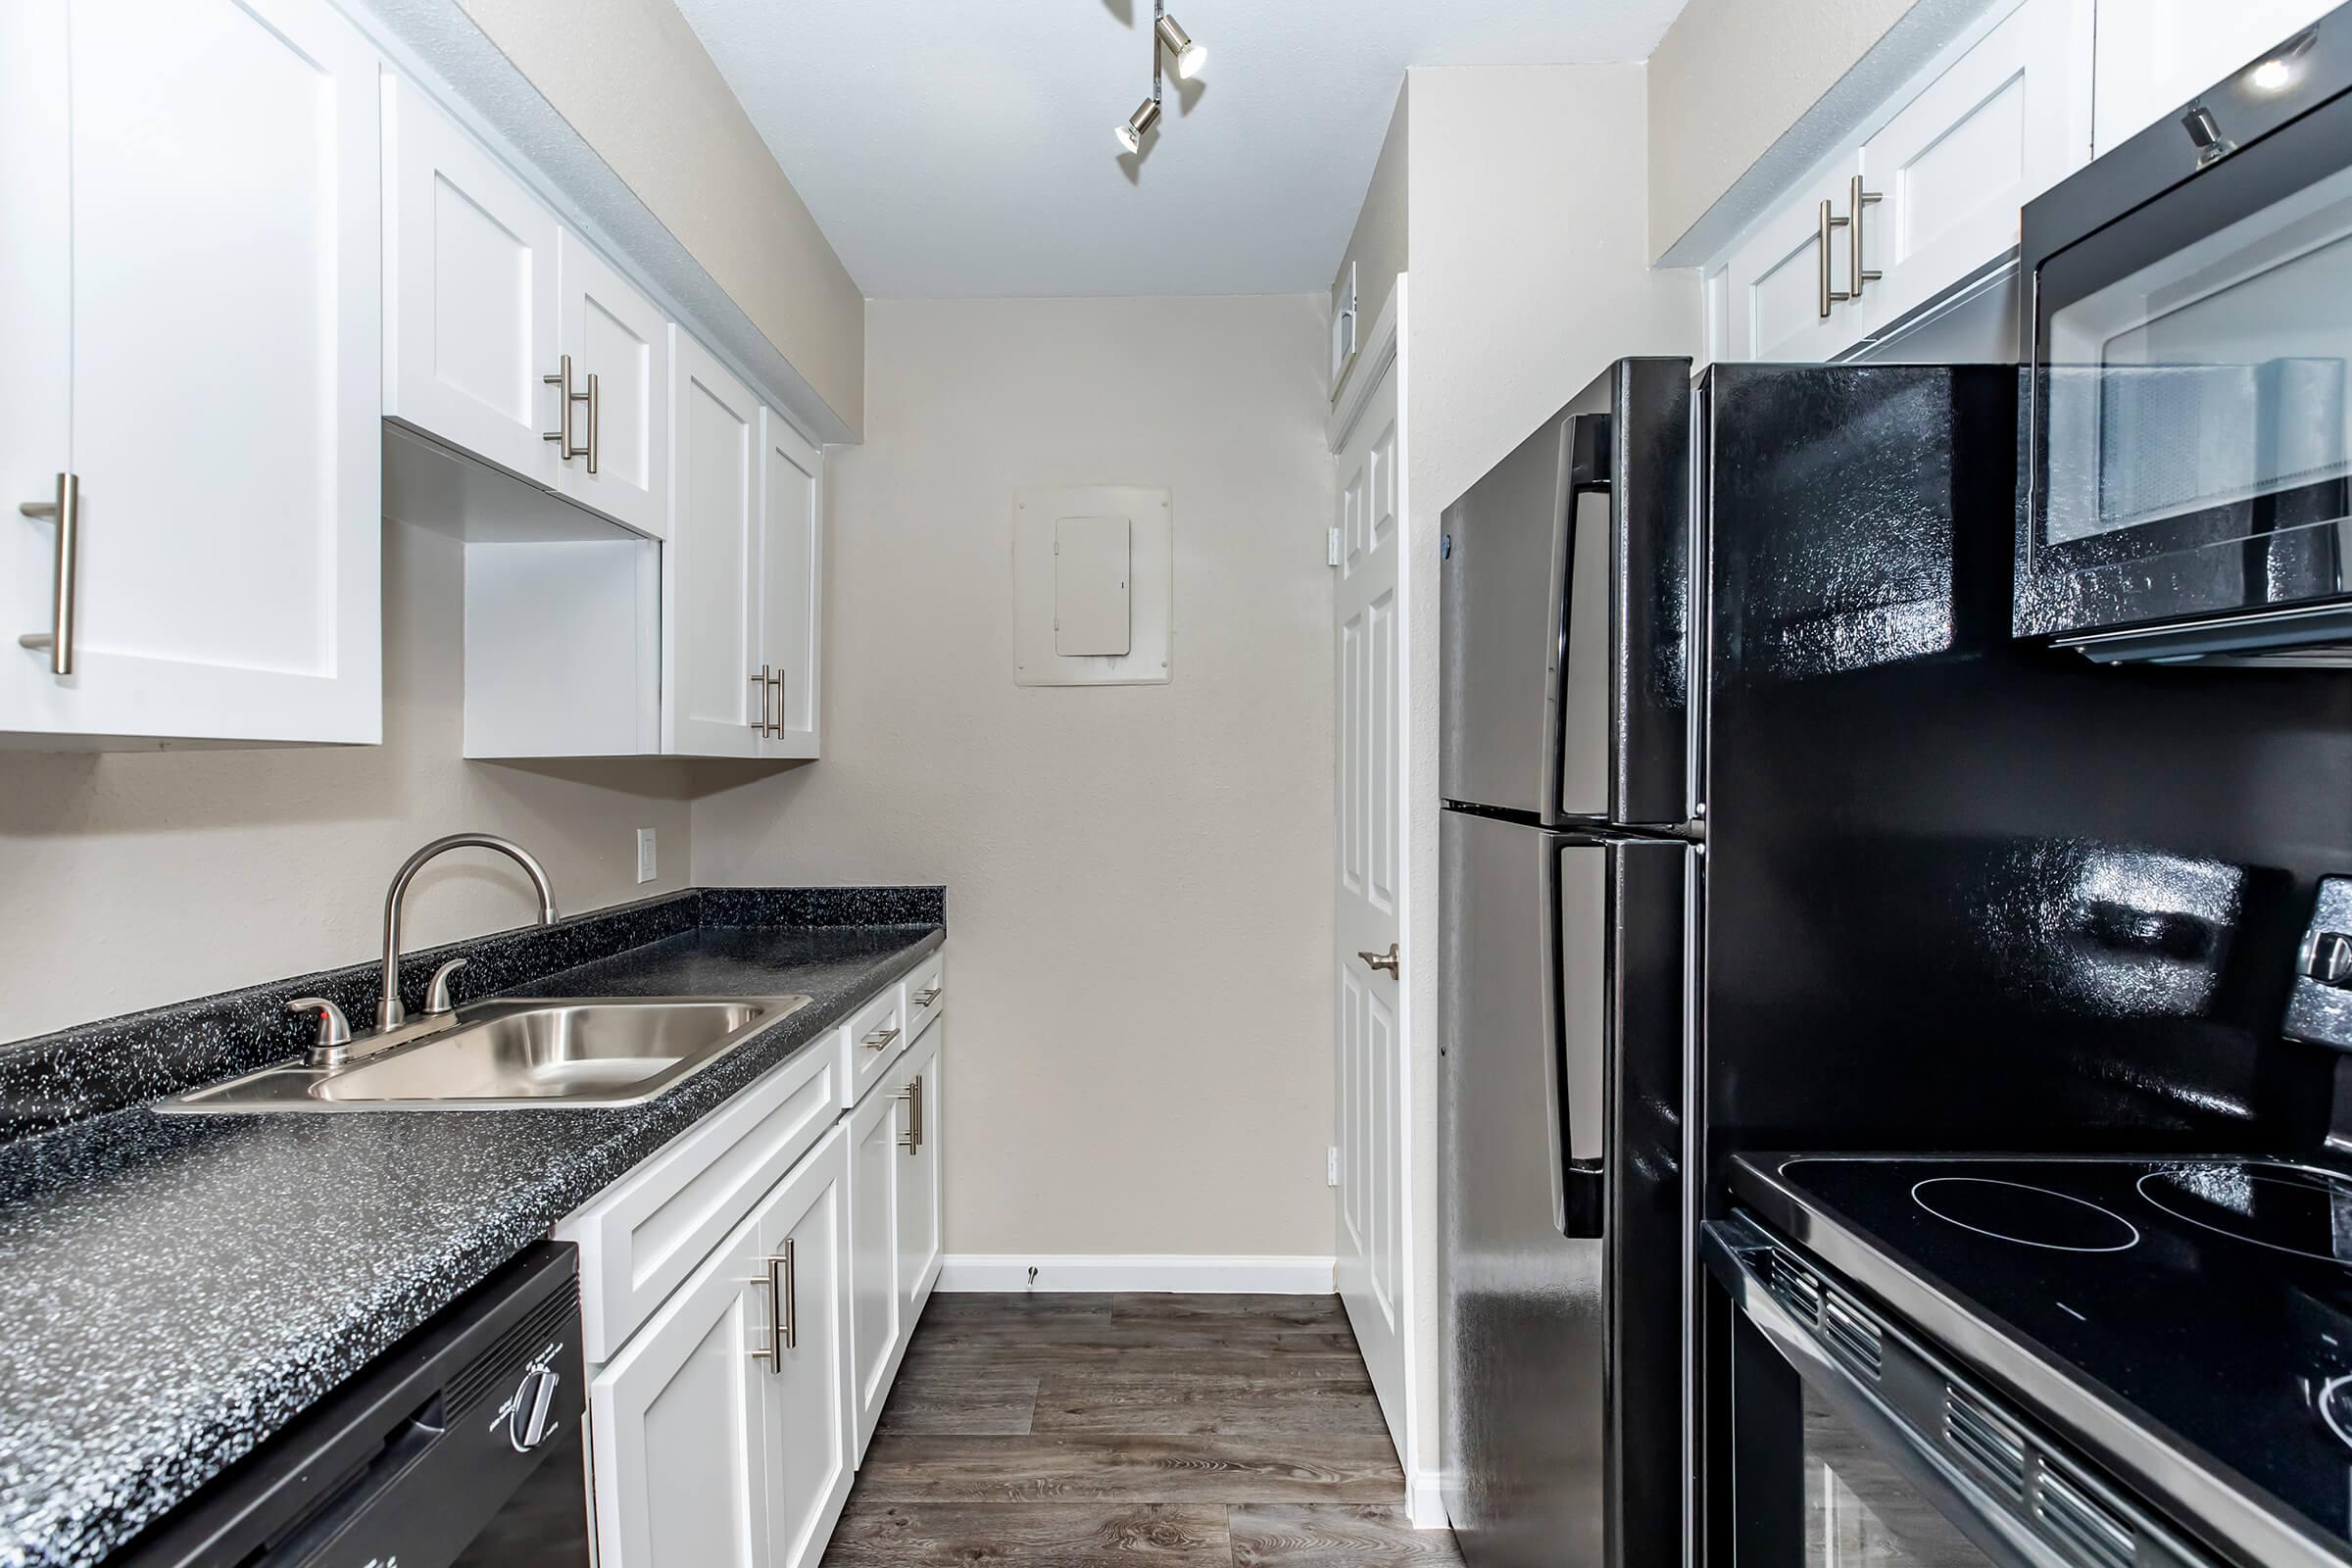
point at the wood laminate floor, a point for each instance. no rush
(1132, 1431)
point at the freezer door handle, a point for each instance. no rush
(1589, 467)
(1588, 470)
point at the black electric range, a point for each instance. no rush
(2186, 1324)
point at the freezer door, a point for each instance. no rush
(1565, 612)
(1560, 1078)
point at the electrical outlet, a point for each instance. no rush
(1331, 1167)
(645, 855)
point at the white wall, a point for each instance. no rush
(1139, 878)
(132, 880)
(1378, 247)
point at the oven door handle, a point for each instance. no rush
(1737, 1254)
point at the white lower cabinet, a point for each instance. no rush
(720, 1432)
(877, 1127)
(748, 1296)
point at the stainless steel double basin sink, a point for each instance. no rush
(511, 1054)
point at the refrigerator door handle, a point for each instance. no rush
(1575, 1030)
(1588, 470)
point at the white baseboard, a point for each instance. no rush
(1183, 1272)
(1425, 1501)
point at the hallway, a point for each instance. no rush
(1093, 1431)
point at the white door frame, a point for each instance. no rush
(1383, 352)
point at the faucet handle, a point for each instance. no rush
(437, 994)
(334, 1030)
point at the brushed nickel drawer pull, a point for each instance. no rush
(928, 995)
(881, 1038)
(913, 1095)
(782, 1278)
(65, 512)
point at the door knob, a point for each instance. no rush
(1392, 960)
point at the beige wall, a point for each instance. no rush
(1139, 878)
(132, 880)
(1379, 248)
(637, 85)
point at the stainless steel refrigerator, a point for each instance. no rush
(1569, 870)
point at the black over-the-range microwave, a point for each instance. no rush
(2186, 318)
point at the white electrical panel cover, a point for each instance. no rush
(1093, 585)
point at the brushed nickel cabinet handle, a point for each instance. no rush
(913, 1095)
(760, 683)
(596, 416)
(776, 684)
(928, 995)
(561, 436)
(782, 1278)
(1392, 960)
(1853, 232)
(881, 1038)
(1829, 227)
(65, 512)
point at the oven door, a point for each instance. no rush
(2188, 422)
(1854, 1445)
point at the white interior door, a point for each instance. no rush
(1371, 855)
(712, 694)
(226, 346)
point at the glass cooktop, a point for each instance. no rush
(2208, 1299)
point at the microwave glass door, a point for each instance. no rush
(1859, 1510)
(2192, 421)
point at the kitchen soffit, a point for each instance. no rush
(955, 150)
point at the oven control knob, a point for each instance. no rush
(530, 1414)
(2335, 1407)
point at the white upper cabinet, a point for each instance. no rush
(615, 349)
(715, 698)
(1784, 281)
(791, 546)
(191, 309)
(1950, 170)
(1924, 197)
(2156, 54)
(469, 293)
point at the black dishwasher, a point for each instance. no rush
(461, 1445)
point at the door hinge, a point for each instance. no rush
(1331, 1166)
(1331, 547)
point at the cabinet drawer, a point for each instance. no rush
(926, 993)
(871, 1042)
(641, 1237)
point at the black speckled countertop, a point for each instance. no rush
(178, 1288)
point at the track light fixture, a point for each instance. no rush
(1131, 133)
(1188, 57)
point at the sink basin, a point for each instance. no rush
(508, 1055)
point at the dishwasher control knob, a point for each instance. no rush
(530, 1414)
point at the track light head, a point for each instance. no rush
(1189, 56)
(1131, 131)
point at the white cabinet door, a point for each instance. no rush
(470, 284)
(712, 694)
(1776, 308)
(791, 548)
(2006, 121)
(2156, 54)
(812, 1452)
(223, 377)
(682, 1432)
(618, 345)
(921, 1094)
(876, 1127)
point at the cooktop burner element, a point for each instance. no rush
(2030, 1216)
(2283, 1208)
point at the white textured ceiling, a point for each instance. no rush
(963, 147)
